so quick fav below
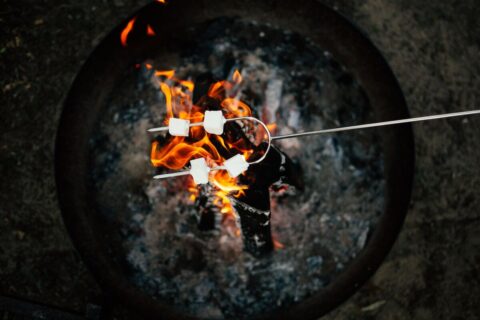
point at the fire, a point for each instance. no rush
(176, 153)
(126, 31)
(237, 77)
(167, 74)
(272, 127)
(236, 108)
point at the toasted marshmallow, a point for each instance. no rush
(236, 165)
(213, 122)
(199, 170)
(178, 127)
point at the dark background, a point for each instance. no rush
(432, 47)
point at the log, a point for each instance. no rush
(253, 208)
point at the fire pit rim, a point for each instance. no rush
(386, 98)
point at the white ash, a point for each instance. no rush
(273, 96)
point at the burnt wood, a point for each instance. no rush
(253, 208)
(206, 211)
(254, 213)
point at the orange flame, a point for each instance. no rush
(216, 89)
(272, 127)
(236, 108)
(237, 77)
(162, 1)
(168, 98)
(126, 31)
(166, 73)
(177, 153)
(188, 84)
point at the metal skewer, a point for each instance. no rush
(376, 124)
(311, 133)
(196, 124)
(159, 129)
(182, 173)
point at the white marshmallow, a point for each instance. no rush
(199, 170)
(178, 127)
(213, 122)
(236, 165)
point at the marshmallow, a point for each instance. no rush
(178, 127)
(236, 165)
(199, 170)
(213, 122)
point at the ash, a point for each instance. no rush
(151, 226)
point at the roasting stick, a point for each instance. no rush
(196, 124)
(311, 133)
(376, 124)
(160, 129)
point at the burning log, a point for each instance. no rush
(253, 207)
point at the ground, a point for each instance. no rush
(433, 49)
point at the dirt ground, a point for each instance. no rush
(432, 47)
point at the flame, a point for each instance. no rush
(216, 89)
(236, 108)
(188, 84)
(161, 1)
(166, 73)
(193, 190)
(227, 186)
(178, 151)
(237, 77)
(126, 31)
(272, 127)
(222, 88)
(223, 181)
(150, 31)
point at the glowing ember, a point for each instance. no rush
(176, 153)
(150, 31)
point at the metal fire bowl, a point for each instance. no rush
(108, 62)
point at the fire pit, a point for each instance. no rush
(293, 237)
